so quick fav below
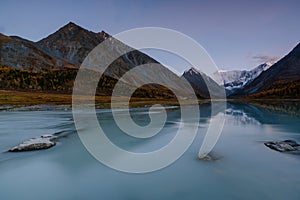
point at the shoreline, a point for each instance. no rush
(31, 100)
(35, 100)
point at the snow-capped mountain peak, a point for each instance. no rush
(236, 79)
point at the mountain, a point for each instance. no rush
(237, 79)
(19, 53)
(51, 63)
(200, 83)
(72, 42)
(281, 80)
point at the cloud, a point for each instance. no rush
(266, 58)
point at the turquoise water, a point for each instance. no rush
(244, 168)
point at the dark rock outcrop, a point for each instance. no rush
(284, 146)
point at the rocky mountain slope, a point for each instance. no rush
(200, 83)
(22, 54)
(72, 42)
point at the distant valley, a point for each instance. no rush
(280, 80)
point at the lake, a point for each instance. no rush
(243, 168)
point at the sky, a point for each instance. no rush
(236, 34)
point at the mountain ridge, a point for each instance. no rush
(203, 85)
(66, 48)
(234, 80)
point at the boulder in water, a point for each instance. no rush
(37, 143)
(284, 146)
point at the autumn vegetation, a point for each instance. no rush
(56, 87)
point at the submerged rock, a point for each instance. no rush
(37, 143)
(284, 146)
(209, 157)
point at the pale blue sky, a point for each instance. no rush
(237, 34)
